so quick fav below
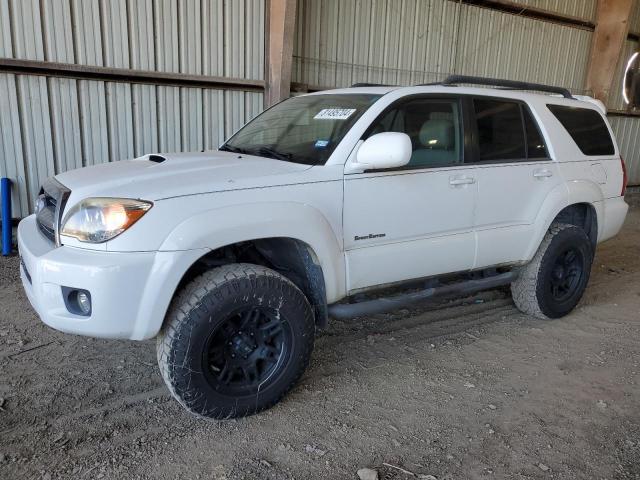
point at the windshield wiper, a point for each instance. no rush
(271, 152)
(229, 148)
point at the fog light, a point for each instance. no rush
(77, 301)
(84, 302)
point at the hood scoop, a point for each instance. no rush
(156, 158)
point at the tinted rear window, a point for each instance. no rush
(586, 127)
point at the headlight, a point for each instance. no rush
(96, 220)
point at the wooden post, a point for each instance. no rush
(281, 20)
(612, 27)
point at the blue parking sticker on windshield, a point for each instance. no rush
(321, 143)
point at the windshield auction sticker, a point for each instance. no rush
(334, 113)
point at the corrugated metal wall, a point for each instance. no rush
(407, 42)
(412, 41)
(582, 9)
(49, 124)
(627, 133)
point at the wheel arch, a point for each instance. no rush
(291, 257)
(577, 203)
(222, 227)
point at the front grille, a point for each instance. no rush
(51, 202)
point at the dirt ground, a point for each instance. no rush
(463, 389)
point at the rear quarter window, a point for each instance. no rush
(587, 128)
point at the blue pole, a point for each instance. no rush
(5, 193)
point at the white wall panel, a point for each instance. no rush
(93, 122)
(6, 49)
(87, 28)
(169, 119)
(627, 133)
(33, 107)
(11, 160)
(191, 119)
(338, 43)
(58, 39)
(65, 127)
(213, 105)
(582, 9)
(499, 45)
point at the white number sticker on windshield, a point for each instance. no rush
(334, 113)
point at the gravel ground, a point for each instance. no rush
(468, 388)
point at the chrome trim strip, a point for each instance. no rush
(61, 193)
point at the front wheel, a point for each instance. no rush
(236, 340)
(552, 284)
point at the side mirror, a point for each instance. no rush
(384, 150)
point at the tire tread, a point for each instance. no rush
(191, 297)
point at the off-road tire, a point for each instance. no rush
(532, 291)
(201, 307)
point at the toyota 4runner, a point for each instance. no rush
(233, 258)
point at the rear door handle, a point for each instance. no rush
(544, 173)
(461, 181)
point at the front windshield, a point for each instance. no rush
(301, 129)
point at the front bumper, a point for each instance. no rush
(130, 291)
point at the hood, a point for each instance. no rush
(153, 177)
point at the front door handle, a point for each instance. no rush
(543, 173)
(461, 181)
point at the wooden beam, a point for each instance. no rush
(612, 27)
(281, 20)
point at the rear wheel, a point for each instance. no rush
(552, 284)
(236, 339)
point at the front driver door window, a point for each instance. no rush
(415, 221)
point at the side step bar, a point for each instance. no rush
(344, 311)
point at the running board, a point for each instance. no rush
(343, 311)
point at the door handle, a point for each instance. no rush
(461, 181)
(542, 173)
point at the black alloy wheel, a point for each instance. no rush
(245, 350)
(236, 339)
(566, 274)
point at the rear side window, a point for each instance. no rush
(500, 130)
(586, 127)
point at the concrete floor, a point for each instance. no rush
(468, 388)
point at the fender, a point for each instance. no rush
(223, 226)
(568, 193)
(586, 191)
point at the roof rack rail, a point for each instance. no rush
(365, 84)
(496, 82)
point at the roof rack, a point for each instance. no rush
(496, 82)
(365, 84)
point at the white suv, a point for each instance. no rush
(233, 258)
